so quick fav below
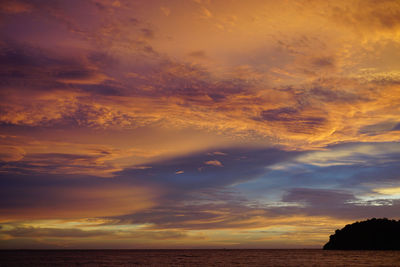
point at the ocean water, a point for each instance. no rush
(212, 257)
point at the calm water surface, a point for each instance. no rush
(237, 257)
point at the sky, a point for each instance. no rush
(196, 123)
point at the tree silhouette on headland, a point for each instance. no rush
(373, 234)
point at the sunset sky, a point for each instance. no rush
(196, 123)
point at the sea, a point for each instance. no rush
(199, 257)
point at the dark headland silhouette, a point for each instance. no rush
(372, 234)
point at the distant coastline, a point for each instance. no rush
(372, 234)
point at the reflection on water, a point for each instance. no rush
(212, 257)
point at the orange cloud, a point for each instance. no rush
(214, 163)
